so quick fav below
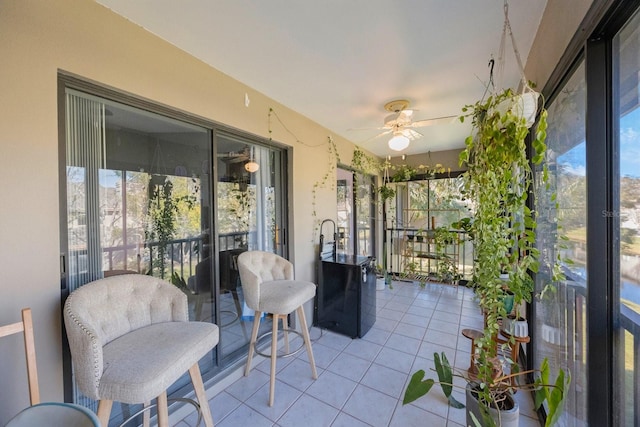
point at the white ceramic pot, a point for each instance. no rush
(505, 418)
(520, 328)
(524, 105)
(552, 335)
(517, 328)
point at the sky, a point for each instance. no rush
(574, 159)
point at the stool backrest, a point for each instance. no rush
(101, 311)
(256, 267)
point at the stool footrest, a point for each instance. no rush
(170, 399)
(289, 354)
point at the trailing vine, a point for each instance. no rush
(163, 209)
(327, 181)
(498, 180)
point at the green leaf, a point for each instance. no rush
(445, 373)
(539, 397)
(417, 387)
(556, 399)
(476, 423)
(454, 403)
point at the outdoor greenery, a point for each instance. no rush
(163, 208)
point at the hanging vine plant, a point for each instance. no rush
(327, 181)
(498, 181)
(162, 208)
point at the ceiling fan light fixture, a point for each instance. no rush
(251, 166)
(399, 142)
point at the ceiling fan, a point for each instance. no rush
(401, 125)
(244, 156)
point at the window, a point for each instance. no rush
(356, 213)
(419, 208)
(560, 314)
(626, 216)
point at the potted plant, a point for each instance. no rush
(497, 181)
(444, 239)
(383, 278)
(504, 412)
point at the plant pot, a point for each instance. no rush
(380, 284)
(552, 335)
(508, 417)
(523, 105)
(518, 328)
(508, 302)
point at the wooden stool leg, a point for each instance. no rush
(274, 356)
(252, 343)
(198, 387)
(285, 326)
(163, 410)
(146, 415)
(104, 411)
(307, 341)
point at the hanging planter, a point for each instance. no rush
(524, 106)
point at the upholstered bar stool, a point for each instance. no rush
(131, 338)
(268, 286)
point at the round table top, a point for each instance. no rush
(472, 334)
(55, 414)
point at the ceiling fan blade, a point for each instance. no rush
(435, 121)
(377, 128)
(378, 135)
(411, 134)
(405, 115)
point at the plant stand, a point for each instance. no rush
(473, 335)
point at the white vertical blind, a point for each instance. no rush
(85, 156)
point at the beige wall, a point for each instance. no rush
(40, 37)
(559, 23)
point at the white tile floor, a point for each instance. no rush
(361, 382)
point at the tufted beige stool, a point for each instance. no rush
(269, 287)
(130, 339)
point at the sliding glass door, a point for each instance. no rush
(136, 199)
(250, 216)
(143, 193)
(627, 219)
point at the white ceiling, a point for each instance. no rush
(338, 62)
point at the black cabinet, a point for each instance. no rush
(346, 297)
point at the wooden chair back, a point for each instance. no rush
(26, 328)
